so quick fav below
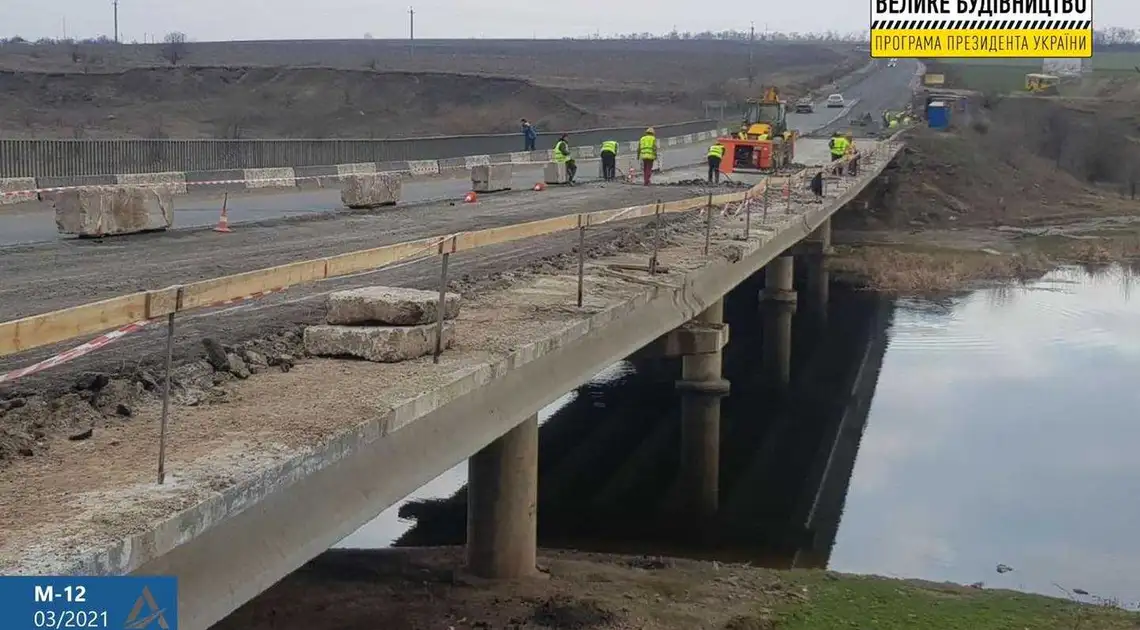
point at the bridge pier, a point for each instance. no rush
(502, 499)
(779, 298)
(702, 385)
(816, 249)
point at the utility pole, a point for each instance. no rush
(412, 28)
(115, 3)
(751, 45)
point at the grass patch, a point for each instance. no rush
(867, 602)
(923, 270)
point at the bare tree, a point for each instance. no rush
(174, 47)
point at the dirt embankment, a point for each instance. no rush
(1030, 184)
(377, 89)
(419, 589)
(210, 102)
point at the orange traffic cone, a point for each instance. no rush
(224, 220)
(470, 197)
(539, 187)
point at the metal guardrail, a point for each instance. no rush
(75, 158)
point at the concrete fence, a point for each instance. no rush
(82, 158)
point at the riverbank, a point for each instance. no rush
(418, 589)
(962, 208)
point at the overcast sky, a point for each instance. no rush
(303, 19)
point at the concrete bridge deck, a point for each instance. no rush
(296, 461)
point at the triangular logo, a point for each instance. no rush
(137, 621)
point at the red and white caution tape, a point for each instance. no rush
(76, 352)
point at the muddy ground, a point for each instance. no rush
(420, 589)
(365, 89)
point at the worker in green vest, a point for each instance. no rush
(647, 153)
(562, 155)
(609, 160)
(716, 154)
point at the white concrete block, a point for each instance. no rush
(555, 173)
(424, 167)
(175, 182)
(520, 157)
(14, 190)
(269, 178)
(381, 344)
(585, 152)
(471, 161)
(112, 210)
(491, 178)
(370, 190)
(355, 168)
(395, 306)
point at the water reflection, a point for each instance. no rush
(1005, 432)
(918, 439)
(609, 458)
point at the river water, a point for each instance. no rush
(923, 439)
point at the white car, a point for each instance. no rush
(835, 100)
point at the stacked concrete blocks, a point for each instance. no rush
(491, 178)
(383, 324)
(93, 212)
(371, 190)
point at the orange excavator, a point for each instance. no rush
(768, 144)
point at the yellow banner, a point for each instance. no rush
(918, 43)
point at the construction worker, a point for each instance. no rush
(530, 136)
(715, 155)
(647, 153)
(562, 155)
(763, 136)
(894, 123)
(743, 133)
(609, 160)
(837, 145)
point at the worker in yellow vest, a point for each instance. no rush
(647, 153)
(716, 154)
(609, 160)
(562, 155)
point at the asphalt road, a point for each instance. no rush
(35, 222)
(60, 273)
(872, 92)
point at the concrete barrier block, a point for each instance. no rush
(555, 173)
(502, 158)
(585, 152)
(491, 178)
(452, 164)
(371, 190)
(175, 182)
(392, 306)
(520, 157)
(113, 210)
(687, 139)
(381, 344)
(17, 190)
(423, 167)
(471, 161)
(256, 178)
